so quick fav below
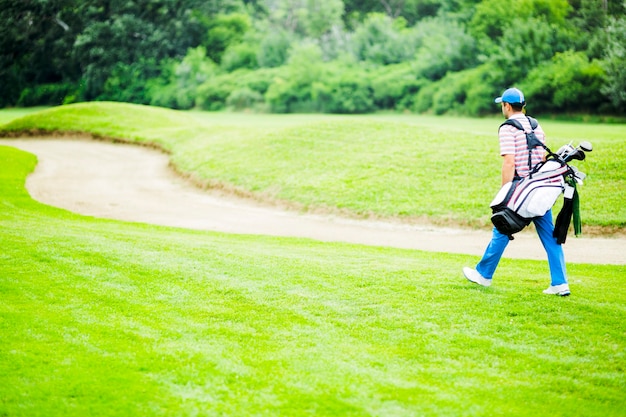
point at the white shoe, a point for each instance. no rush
(475, 277)
(562, 290)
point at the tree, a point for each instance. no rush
(35, 39)
(493, 19)
(411, 10)
(274, 49)
(321, 17)
(305, 18)
(569, 82)
(443, 46)
(615, 61)
(223, 31)
(383, 41)
(123, 33)
(393, 8)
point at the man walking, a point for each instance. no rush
(514, 151)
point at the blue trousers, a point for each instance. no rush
(556, 260)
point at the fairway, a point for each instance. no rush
(103, 317)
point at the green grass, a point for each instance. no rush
(444, 170)
(108, 318)
(7, 115)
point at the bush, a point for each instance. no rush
(468, 92)
(242, 55)
(567, 83)
(274, 49)
(346, 92)
(292, 92)
(47, 95)
(213, 93)
(309, 85)
(243, 99)
(481, 89)
(223, 31)
(177, 86)
(261, 79)
(444, 46)
(290, 96)
(395, 86)
(450, 95)
(383, 40)
(423, 101)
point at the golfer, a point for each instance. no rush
(514, 151)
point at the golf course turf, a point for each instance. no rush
(101, 317)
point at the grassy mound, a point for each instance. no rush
(442, 170)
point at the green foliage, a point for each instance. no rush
(259, 80)
(130, 50)
(291, 96)
(480, 91)
(395, 86)
(383, 41)
(121, 40)
(424, 98)
(195, 69)
(294, 92)
(36, 42)
(214, 93)
(47, 94)
(244, 98)
(163, 90)
(224, 31)
(567, 83)
(178, 85)
(344, 91)
(468, 92)
(494, 19)
(538, 42)
(321, 17)
(274, 49)
(305, 18)
(410, 10)
(127, 82)
(242, 55)
(615, 62)
(444, 46)
(309, 84)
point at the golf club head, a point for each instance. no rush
(564, 150)
(578, 154)
(585, 146)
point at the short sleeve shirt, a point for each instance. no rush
(513, 142)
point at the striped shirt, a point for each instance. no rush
(513, 142)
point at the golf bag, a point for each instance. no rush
(520, 201)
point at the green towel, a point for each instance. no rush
(578, 226)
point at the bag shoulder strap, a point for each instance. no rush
(531, 140)
(515, 123)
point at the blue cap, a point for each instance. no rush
(512, 95)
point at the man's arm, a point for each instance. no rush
(508, 168)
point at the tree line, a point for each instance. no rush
(335, 56)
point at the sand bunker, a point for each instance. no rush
(133, 183)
